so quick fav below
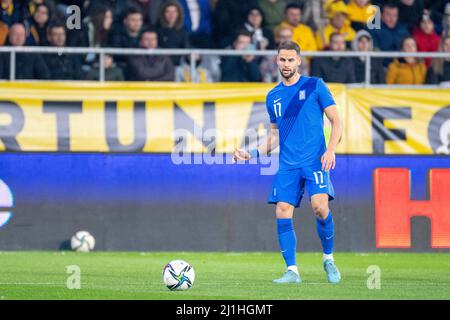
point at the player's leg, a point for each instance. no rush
(324, 223)
(286, 194)
(287, 241)
(320, 190)
(325, 230)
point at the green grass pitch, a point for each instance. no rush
(134, 275)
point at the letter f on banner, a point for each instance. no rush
(394, 209)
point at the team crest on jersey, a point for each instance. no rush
(302, 95)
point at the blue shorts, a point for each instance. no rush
(289, 185)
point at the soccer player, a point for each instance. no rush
(296, 107)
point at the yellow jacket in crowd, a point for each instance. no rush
(302, 35)
(406, 73)
(360, 14)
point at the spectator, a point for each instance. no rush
(269, 67)
(127, 35)
(262, 37)
(10, 12)
(302, 34)
(390, 34)
(334, 69)
(112, 71)
(29, 9)
(338, 23)
(198, 22)
(273, 11)
(313, 13)
(408, 70)
(410, 12)
(149, 8)
(436, 9)
(171, 33)
(363, 42)
(228, 16)
(95, 30)
(118, 7)
(241, 68)
(61, 66)
(360, 12)
(183, 71)
(427, 40)
(99, 25)
(150, 68)
(28, 66)
(282, 34)
(37, 26)
(440, 68)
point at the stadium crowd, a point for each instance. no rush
(334, 25)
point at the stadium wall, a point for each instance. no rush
(145, 202)
(73, 160)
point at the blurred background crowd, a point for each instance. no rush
(316, 25)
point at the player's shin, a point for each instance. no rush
(325, 230)
(288, 242)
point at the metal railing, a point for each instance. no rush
(368, 56)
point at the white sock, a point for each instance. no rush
(293, 268)
(328, 256)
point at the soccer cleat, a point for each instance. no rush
(288, 277)
(332, 271)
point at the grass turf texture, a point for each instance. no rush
(134, 275)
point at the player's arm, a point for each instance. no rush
(269, 144)
(329, 157)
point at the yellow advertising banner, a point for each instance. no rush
(398, 121)
(131, 117)
(166, 117)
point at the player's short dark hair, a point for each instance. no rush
(289, 45)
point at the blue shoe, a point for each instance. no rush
(288, 277)
(332, 271)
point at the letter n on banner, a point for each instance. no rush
(394, 209)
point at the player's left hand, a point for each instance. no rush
(328, 160)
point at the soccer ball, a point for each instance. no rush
(178, 275)
(82, 241)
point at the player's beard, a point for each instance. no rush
(289, 76)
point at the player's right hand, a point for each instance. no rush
(240, 154)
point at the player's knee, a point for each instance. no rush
(320, 208)
(284, 210)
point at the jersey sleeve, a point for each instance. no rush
(324, 95)
(270, 110)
